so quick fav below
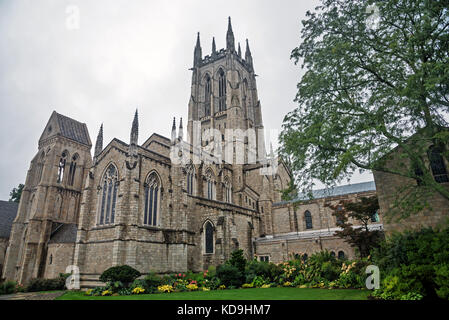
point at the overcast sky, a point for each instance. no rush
(127, 55)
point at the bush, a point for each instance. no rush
(40, 284)
(229, 275)
(238, 260)
(7, 287)
(124, 274)
(418, 261)
(152, 281)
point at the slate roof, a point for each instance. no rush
(8, 212)
(73, 129)
(64, 233)
(336, 191)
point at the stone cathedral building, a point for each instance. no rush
(136, 204)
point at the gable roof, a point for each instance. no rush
(8, 212)
(64, 233)
(336, 191)
(59, 124)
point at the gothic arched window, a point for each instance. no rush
(108, 196)
(190, 179)
(208, 237)
(437, 165)
(341, 255)
(308, 218)
(72, 169)
(152, 199)
(61, 166)
(210, 185)
(227, 190)
(207, 91)
(221, 90)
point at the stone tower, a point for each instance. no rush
(224, 97)
(51, 196)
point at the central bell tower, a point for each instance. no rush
(224, 95)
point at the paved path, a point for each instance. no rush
(32, 296)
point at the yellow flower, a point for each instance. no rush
(264, 286)
(206, 289)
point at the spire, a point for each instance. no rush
(173, 130)
(135, 129)
(197, 55)
(248, 56)
(180, 132)
(239, 51)
(230, 37)
(214, 48)
(99, 143)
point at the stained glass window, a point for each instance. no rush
(108, 196)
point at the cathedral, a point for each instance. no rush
(170, 204)
(167, 205)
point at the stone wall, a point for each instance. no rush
(3, 247)
(59, 257)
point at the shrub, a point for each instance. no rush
(124, 274)
(152, 281)
(40, 284)
(238, 260)
(418, 259)
(8, 287)
(229, 275)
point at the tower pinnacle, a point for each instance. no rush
(197, 54)
(135, 129)
(99, 143)
(180, 132)
(173, 131)
(230, 46)
(214, 48)
(248, 56)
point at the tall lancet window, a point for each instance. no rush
(208, 237)
(308, 218)
(108, 196)
(190, 179)
(152, 199)
(437, 165)
(227, 190)
(221, 90)
(207, 91)
(210, 185)
(72, 169)
(61, 166)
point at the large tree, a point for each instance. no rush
(376, 73)
(16, 193)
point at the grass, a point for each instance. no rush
(237, 294)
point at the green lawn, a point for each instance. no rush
(238, 294)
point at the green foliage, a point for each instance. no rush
(442, 281)
(230, 275)
(8, 287)
(238, 260)
(367, 90)
(262, 269)
(16, 193)
(125, 274)
(40, 284)
(152, 281)
(415, 261)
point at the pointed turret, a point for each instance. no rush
(230, 46)
(239, 52)
(180, 132)
(135, 130)
(197, 54)
(99, 143)
(214, 48)
(248, 56)
(173, 131)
